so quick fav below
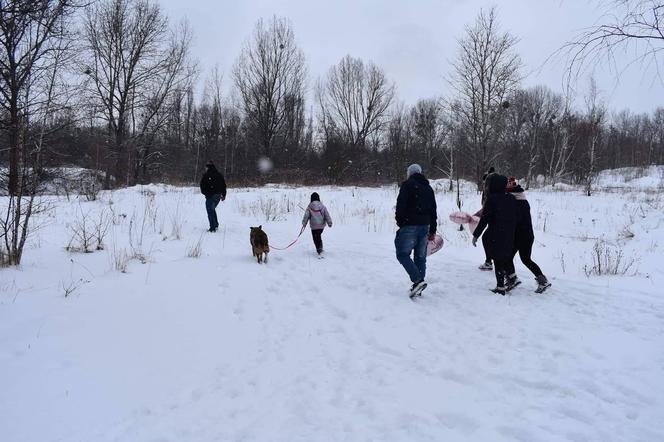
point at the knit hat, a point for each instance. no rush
(511, 184)
(413, 168)
(497, 184)
(315, 197)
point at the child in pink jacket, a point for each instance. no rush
(317, 216)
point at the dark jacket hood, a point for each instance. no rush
(419, 177)
(211, 168)
(497, 184)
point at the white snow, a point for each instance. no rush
(639, 178)
(219, 348)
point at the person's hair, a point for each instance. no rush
(315, 197)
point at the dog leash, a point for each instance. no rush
(289, 245)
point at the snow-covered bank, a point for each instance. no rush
(638, 178)
(220, 348)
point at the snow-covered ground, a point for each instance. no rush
(219, 348)
(637, 178)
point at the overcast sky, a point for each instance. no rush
(412, 40)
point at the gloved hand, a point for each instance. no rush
(329, 224)
(432, 236)
(474, 241)
(223, 198)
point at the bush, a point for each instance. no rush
(608, 260)
(196, 249)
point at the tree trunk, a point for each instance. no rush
(14, 149)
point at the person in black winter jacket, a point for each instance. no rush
(213, 186)
(486, 179)
(417, 220)
(500, 214)
(523, 240)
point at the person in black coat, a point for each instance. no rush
(213, 186)
(500, 214)
(417, 220)
(523, 239)
(486, 179)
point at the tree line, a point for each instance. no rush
(117, 94)
(111, 86)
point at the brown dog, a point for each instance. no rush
(259, 244)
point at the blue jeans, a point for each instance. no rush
(211, 203)
(413, 239)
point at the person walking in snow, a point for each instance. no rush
(213, 186)
(486, 178)
(500, 214)
(417, 219)
(317, 215)
(523, 240)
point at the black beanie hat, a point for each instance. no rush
(314, 197)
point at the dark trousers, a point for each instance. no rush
(486, 248)
(211, 203)
(525, 248)
(317, 235)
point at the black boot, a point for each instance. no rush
(542, 283)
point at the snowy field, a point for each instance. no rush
(171, 333)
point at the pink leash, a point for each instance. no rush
(289, 245)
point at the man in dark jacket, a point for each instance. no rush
(417, 219)
(500, 214)
(213, 187)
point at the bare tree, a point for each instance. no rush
(634, 25)
(562, 145)
(400, 140)
(154, 106)
(540, 107)
(270, 69)
(210, 122)
(354, 99)
(485, 71)
(134, 62)
(30, 35)
(428, 128)
(34, 51)
(595, 117)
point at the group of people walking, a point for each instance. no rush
(505, 214)
(505, 225)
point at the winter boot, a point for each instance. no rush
(417, 289)
(511, 281)
(499, 290)
(542, 283)
(486, 266)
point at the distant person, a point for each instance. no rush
(523, 240)
(317, 215)
(213, 186)
(486, 179)
(416, 217)
(500, 214)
